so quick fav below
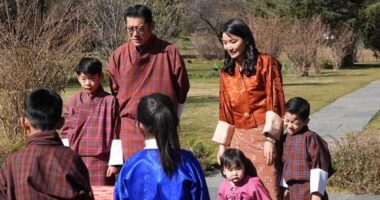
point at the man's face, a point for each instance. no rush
(138, 31)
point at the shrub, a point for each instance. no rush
(37, 50)
(357, 159)
(202, 152)
(304, 39)
(207, 45)
(269, 33)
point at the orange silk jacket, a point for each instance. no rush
(245, 100)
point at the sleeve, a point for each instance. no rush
(3, 182)
(259, 192)
(225, 127)
(221, 191)
(275, 100)
(121, 192)
(80, 179)
(112, 69)
(321, 164)
(66, 125)
(181, 77)
(199, 188)
(116, 154)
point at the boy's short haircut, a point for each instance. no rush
(89, 65)
(139, 11)
(298, 106)
(43, 109)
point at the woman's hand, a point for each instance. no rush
(269, 152)
(221, 150)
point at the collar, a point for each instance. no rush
(150, 144)
(44, 138)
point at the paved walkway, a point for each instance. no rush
(351, 112)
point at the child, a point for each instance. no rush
(90, 124)
(162, 170)
(44, 169)
(241, 181)
(306, 158)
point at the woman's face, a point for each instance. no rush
(233, 45)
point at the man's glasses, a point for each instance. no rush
(138, 29)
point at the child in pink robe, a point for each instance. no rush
(241, 183)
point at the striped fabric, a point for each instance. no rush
(90, 121)
(157, 67)
(45, 169)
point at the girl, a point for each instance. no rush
(162, 170)
(251, 104)
(240, 182)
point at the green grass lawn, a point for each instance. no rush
(201, 110)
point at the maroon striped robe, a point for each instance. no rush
(90, 121)
(45, 169)
(156, 68)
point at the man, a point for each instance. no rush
(142, 66)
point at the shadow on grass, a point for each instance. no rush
(364, 66)
(202, 99)
(306, 84)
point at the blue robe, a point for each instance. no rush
(142, 177)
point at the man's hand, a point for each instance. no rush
(112, 171)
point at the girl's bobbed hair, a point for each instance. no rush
(236, 158)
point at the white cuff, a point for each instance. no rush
(181, 106)
(223, 133)
(116, 155)
(273, 124)
(318, 180)
(65, 142)
(283, 183)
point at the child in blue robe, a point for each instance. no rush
(161, 170)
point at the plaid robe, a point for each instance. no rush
(90, 121)
(303, 152)
(156, 68)
(45, 169)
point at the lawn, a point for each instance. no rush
(201, 111)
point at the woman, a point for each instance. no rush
(251, 104)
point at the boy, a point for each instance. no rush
(90, 125)
(45, 169)
(306, 158)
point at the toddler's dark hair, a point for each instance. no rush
(234, 157)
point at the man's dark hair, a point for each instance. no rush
(139, 11)
(298, 106)
(43, 109)
(89, 65)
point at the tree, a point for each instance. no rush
(336, 14)
(371, 28)
(35, 53)
(304, 39)
(340, 42)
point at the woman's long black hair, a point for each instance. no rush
(239, 28)
(156, 113)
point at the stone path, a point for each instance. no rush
(351, 112)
